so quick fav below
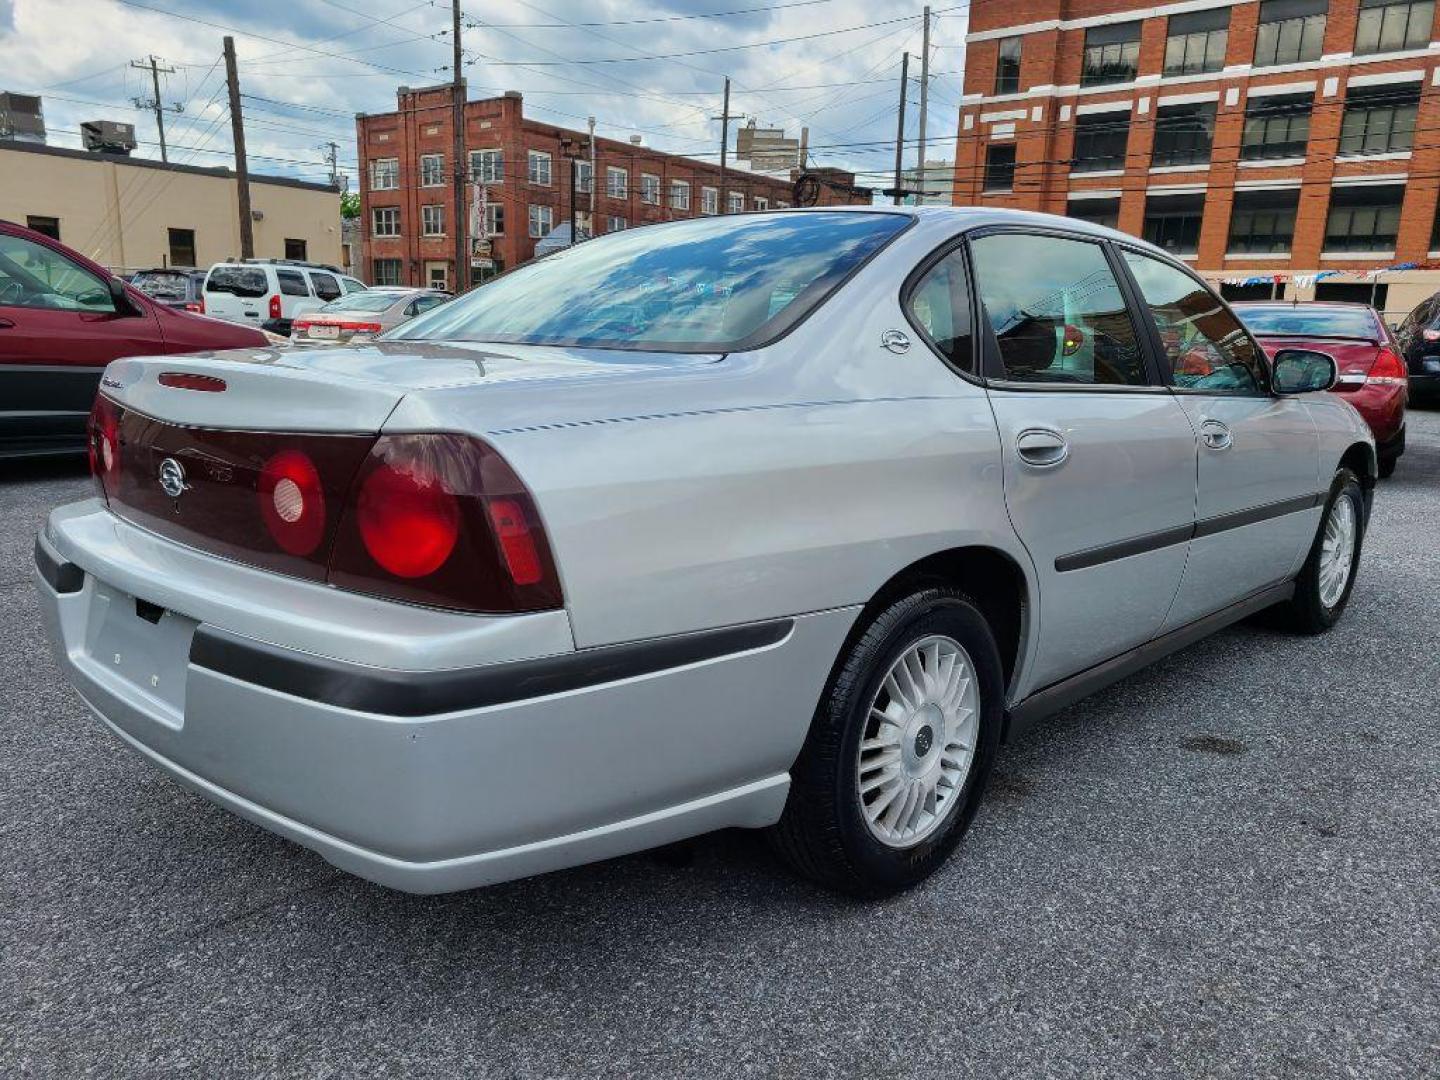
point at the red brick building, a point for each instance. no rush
(407, 193)
(1249, 137)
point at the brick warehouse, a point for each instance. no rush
(407, 200)
(1250, 137)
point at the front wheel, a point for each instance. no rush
(899, 750)
(1324, 584)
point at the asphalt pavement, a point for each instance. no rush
(1225, 866)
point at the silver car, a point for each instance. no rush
(784, 521)
(361, 316)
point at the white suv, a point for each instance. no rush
(269, 293)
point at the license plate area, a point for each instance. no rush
(320, 330)
(143, 650)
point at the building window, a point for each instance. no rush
(1104, 212)
(1000, 167)
(735, 203)
(432, 220)
(1263, 221)
(1183, 134)
(50, 226)
(1100, 141)
(386, 220)
(762, 203)
(384, 174)
(1111, 54)
(1172, 222)
(538, 167)
(584, 176)
(615, 223)
(1364, 217)
(1390, 25)
(709, 200)
(1290, 31)
(1379, 119)
(386, 272)
(1276, 127)
(1195, 41)
(1007, 66)
(487, 167)
(679, 195)
(650, 189)
(542, 220)
(494, 219)
(294, 249)
(432, 170)
(617, 183)
(182, 247)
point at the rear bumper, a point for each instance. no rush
(430, 779)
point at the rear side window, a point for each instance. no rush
(940, 305)
(292, 283)
(326, 287)
(162, 284)
(238, 280)
(1057, 311)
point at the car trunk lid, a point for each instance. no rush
(1355, 358)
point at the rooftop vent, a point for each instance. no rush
(107, 137)
(21, 118)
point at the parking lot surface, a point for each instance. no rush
(1225, 866)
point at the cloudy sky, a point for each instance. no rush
(307, 66)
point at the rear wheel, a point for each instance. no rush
(1324, 584)
(900, 748)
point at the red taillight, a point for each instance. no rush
(103, 442)
(184, 380)
(1430, 335)
(198, 309)
(1388, 369)
(292, 502)
(275, 306)
(200, 306)
(407, 519)
(361, 327)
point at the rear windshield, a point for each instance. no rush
(703, 285)
(162, 285)
(364, 301)
(239, 280)
(1301, 320)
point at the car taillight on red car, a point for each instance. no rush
(1388, 369)
(103, 442)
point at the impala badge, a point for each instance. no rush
(172, 478)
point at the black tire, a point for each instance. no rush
(822, 833)
(1387, 466)
(1306, 612)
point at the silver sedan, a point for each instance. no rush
(782, 520)
(360, 316)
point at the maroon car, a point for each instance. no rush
(1372, 372)
(62, 319)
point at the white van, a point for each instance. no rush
(269, 293)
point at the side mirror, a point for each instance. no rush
(124, 306)
(1302, 371)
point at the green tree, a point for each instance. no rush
(350, 204)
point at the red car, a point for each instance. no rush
(62, 319)
(1372, 371)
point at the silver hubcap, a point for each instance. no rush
(1337, 551)
(919, 742)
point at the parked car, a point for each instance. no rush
(756, 520)
(173, 286)
(62, 319)
(270, 292)
(361, 316)
(1372, 372)
(1419, 338)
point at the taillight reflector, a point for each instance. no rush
(516, 543)
(292, 502)
(184, 380)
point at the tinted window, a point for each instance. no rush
(940, 305)
(1307, 319)
(162, 284)
(239, 280)
(705, 284)
(292, 282)
(326, 287)
(1057, 311)
(32, 275)
(1205, 345)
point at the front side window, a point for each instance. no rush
(1000, 167)
(542, 220)
(617, 183)
(1364, 217)
(487, 167)
(1057, 311)
(538, 167)
(1104, 211)
(940, 305)
(1276, 126)
(1183, 133)
(650, 189)
(1205, 346)
(703, 284)
(1379, 119)
(432, 170)
(1290, 31)
(432, 220)
(387, 271)
(33, 276)
(1391, 25)
(384, 174)
(1111, 54)
(679, 195)
(386, 220)
(1007, 66)
(1195, 42)
(1172, 222)
(1263, 221)
(1100, 140)
(292, 283)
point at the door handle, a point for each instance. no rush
(1215, 435)
(1043, 448)
(6, 324)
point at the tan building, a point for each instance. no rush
(134, 213)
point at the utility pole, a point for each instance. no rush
(154, 104)
(237, 134)
(457, 92)
(594, 180)
(900, 129)
(332, 158)
(924, 100)
(724, 148)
